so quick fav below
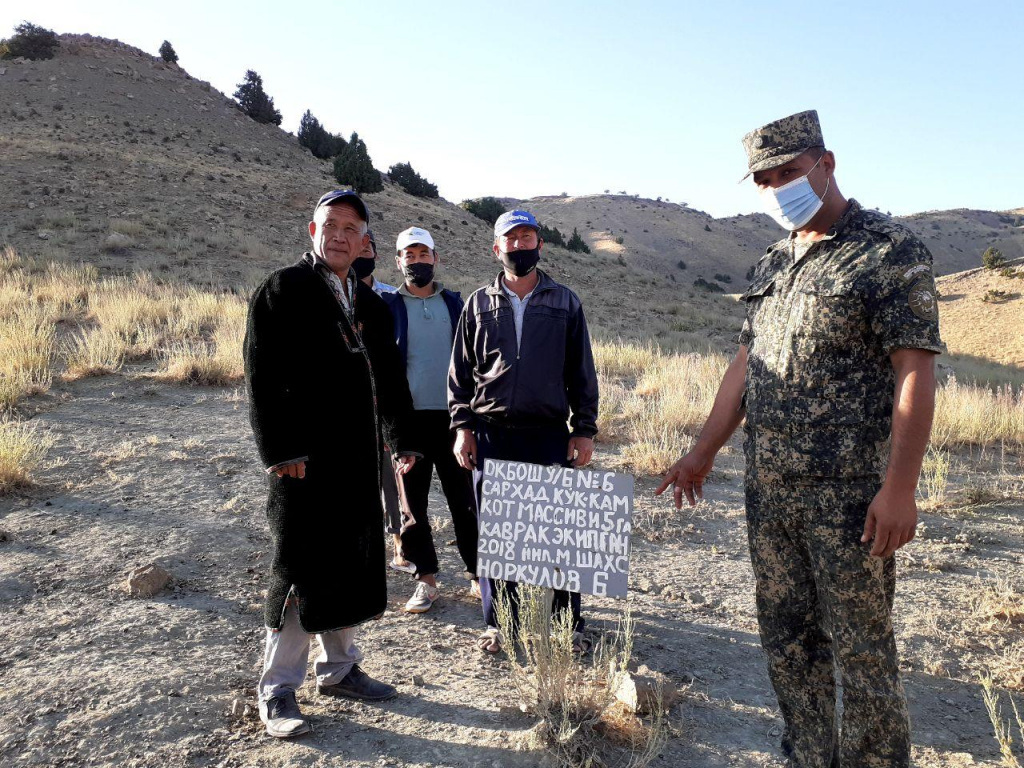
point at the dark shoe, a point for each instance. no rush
(283, 717)
(359, 685)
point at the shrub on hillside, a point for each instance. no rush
(486, 208)
(404, 176)
(353, 167)
(551, 236)
(706, 285)
(317, 139)
(681, 264)
(167, 53)
(576, 243)
(723, 278)
(254, 100)
(30, 41)
(992, 258)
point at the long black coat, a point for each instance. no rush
(312, 395)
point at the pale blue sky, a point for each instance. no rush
(923, 102)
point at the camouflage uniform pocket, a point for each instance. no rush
(816, 437)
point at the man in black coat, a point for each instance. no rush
(326, 388)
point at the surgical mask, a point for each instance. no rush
(794, 204)
(363, 267)
(419, 274)
(520, 263)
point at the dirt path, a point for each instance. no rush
(152, 473)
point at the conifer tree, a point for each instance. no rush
(167, 53)
(254, 100)
(354, 168)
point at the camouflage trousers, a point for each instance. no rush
(823, 604)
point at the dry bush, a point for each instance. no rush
(94, 352)
(620, 359)
(934, 477)
(967, 414)
(1004, 728)
(127, 227)
(27, 341)
(22, 448)
(581, 722)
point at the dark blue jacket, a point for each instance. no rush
(537, 384)
(396, 304)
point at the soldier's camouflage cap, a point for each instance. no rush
(779, 142)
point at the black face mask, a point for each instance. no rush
(363, 267)
(520, 263)
(419, 274)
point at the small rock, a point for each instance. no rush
(5, 535)
(695, 598)
(147, 580)
(238, 708)
(418, 680)
(644, 690)
(44, 235)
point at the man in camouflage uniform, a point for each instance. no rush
(835, 375)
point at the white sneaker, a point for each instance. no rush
(423, 598)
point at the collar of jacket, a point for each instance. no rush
(438, 287)
(544, 284)
(852, 209)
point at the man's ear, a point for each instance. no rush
(540, 244)
(828, 161)
(497, 252)
(437, 258)
(312, 230)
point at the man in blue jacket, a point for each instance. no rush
(425, 317)
(521, 365)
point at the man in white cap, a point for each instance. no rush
(425, 315)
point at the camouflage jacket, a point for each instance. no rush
(819, 331)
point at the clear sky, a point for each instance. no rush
(922, 102)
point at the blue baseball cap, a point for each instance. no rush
(509, 221)
(349, 197)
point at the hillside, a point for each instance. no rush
(115, 158)
(987, 330)
(657, 235)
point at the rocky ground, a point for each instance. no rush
(146, 472)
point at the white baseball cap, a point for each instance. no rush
(412, 236)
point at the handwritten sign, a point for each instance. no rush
(555, 527)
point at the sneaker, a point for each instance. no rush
(422, 598)
(474, 589)
(359, 685)
(282, 716)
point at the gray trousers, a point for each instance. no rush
(287, 654)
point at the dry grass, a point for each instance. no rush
(27, 343)
(581, 723)
(1003, 729)
(196, 335)
(22, 448)
(968, 414)
(661, 400)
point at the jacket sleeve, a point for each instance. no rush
(580, 376)
(275, 410)
(394, 402)
(461, 385)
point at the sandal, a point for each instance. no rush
(581, 644)
(490, 640)
(401, 564)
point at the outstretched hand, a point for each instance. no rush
(687, 475)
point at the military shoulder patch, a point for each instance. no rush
(915, 272)
(921, 299)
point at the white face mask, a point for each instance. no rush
(793, 204)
